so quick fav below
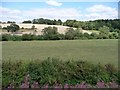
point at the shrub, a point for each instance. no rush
(52, 71)
(13, 72)
(8, 37)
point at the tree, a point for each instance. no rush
(10, 22)
(59, 22)
(33, 27)
(104, 32)
(72, 34)
(115, 35)
(50, 33)
(27, 21)
(94, 35)
(13, 28)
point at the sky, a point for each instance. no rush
(54, 9)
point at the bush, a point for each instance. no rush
(13, 72)
(8, 37)
(28, 37)
(50, 33)
(52, 71)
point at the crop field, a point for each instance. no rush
(61, 29)
(103, 51)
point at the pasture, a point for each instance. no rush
(103, 51)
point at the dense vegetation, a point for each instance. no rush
(108, 29)
(54, 71)
(51, 33)
(114, 25)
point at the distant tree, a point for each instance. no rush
(104, 30)
(115, 35)
(33, 27)
(10, 22)
(111, 36)
(13, 28)
(94, 35)
(72, 34)
(27, 21)
(54, 22)
(22, 28)
(50, 33)
(86, 35)
(59, 22)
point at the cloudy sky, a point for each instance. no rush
(53, 9)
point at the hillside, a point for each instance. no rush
(61, 29)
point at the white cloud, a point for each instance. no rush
(101, 12)
(91, 13)
(53, 3)
(10, 14)
(50, 13)
(54, 13)
(101, 8)
(6, 11)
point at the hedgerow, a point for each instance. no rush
(52, 71)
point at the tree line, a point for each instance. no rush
(51, 33)
(44, 21)
(114, 25)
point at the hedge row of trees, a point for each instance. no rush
(51, 33)
(44, 21)
(114, 25)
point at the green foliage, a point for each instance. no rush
(104, 32)
(11, 22)
(72, 34)
(94, 36)
(13, 72)
(28, 21)
(47, 21)
(29, 37)
(114, 25)
(53, 71)
(8, 37)
(13, 28)
(50, 33)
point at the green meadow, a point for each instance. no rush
(103, 51)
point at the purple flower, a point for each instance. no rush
(101, 84)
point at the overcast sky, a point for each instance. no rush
(53, 9)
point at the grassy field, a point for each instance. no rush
(103, 51)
